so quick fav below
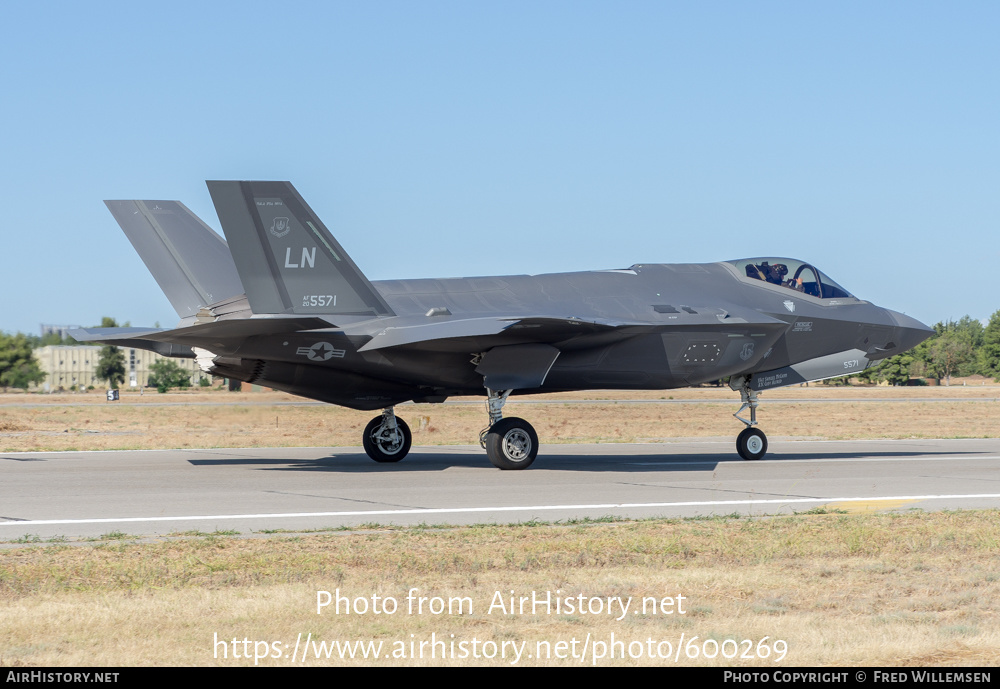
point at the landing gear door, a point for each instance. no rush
(517, 367)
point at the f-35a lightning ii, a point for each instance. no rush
(284, 306)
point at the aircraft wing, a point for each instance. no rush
(501, 330)
(518, 353)
(455, 334)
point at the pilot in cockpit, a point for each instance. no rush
(792, 274)
(781, 270)
(775, 274)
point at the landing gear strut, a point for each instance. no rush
(387, 438)
(751, 443)
(510, 443)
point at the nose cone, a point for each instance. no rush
(909, 332)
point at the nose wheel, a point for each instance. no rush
(751, 443)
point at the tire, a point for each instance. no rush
(511, 444)
(751, 443)
(383, 445)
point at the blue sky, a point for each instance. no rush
(473, 138)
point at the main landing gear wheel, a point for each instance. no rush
(751, 443)
(385, 441)
(511, 443)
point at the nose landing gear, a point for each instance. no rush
(751, 443)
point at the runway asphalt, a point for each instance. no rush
(77, 495)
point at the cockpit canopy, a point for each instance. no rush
(791, 274)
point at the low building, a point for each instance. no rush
(69, 365)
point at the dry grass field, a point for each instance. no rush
(843, 590)
(222, 419)
(814, 589)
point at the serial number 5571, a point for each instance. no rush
(319, 300)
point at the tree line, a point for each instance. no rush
(957, 348)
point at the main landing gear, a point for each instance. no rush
(387, 438)
(510, 443)
(751, 443)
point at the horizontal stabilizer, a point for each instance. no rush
(239, 329)
(288, 261)
(178, 341)
(190, 262)
(111, 334)
(132, 337)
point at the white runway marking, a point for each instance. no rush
(810, 461)
(474, 510)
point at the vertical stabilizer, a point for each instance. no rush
(287, 260)
(190, 262)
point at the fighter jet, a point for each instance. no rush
(282, 304)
